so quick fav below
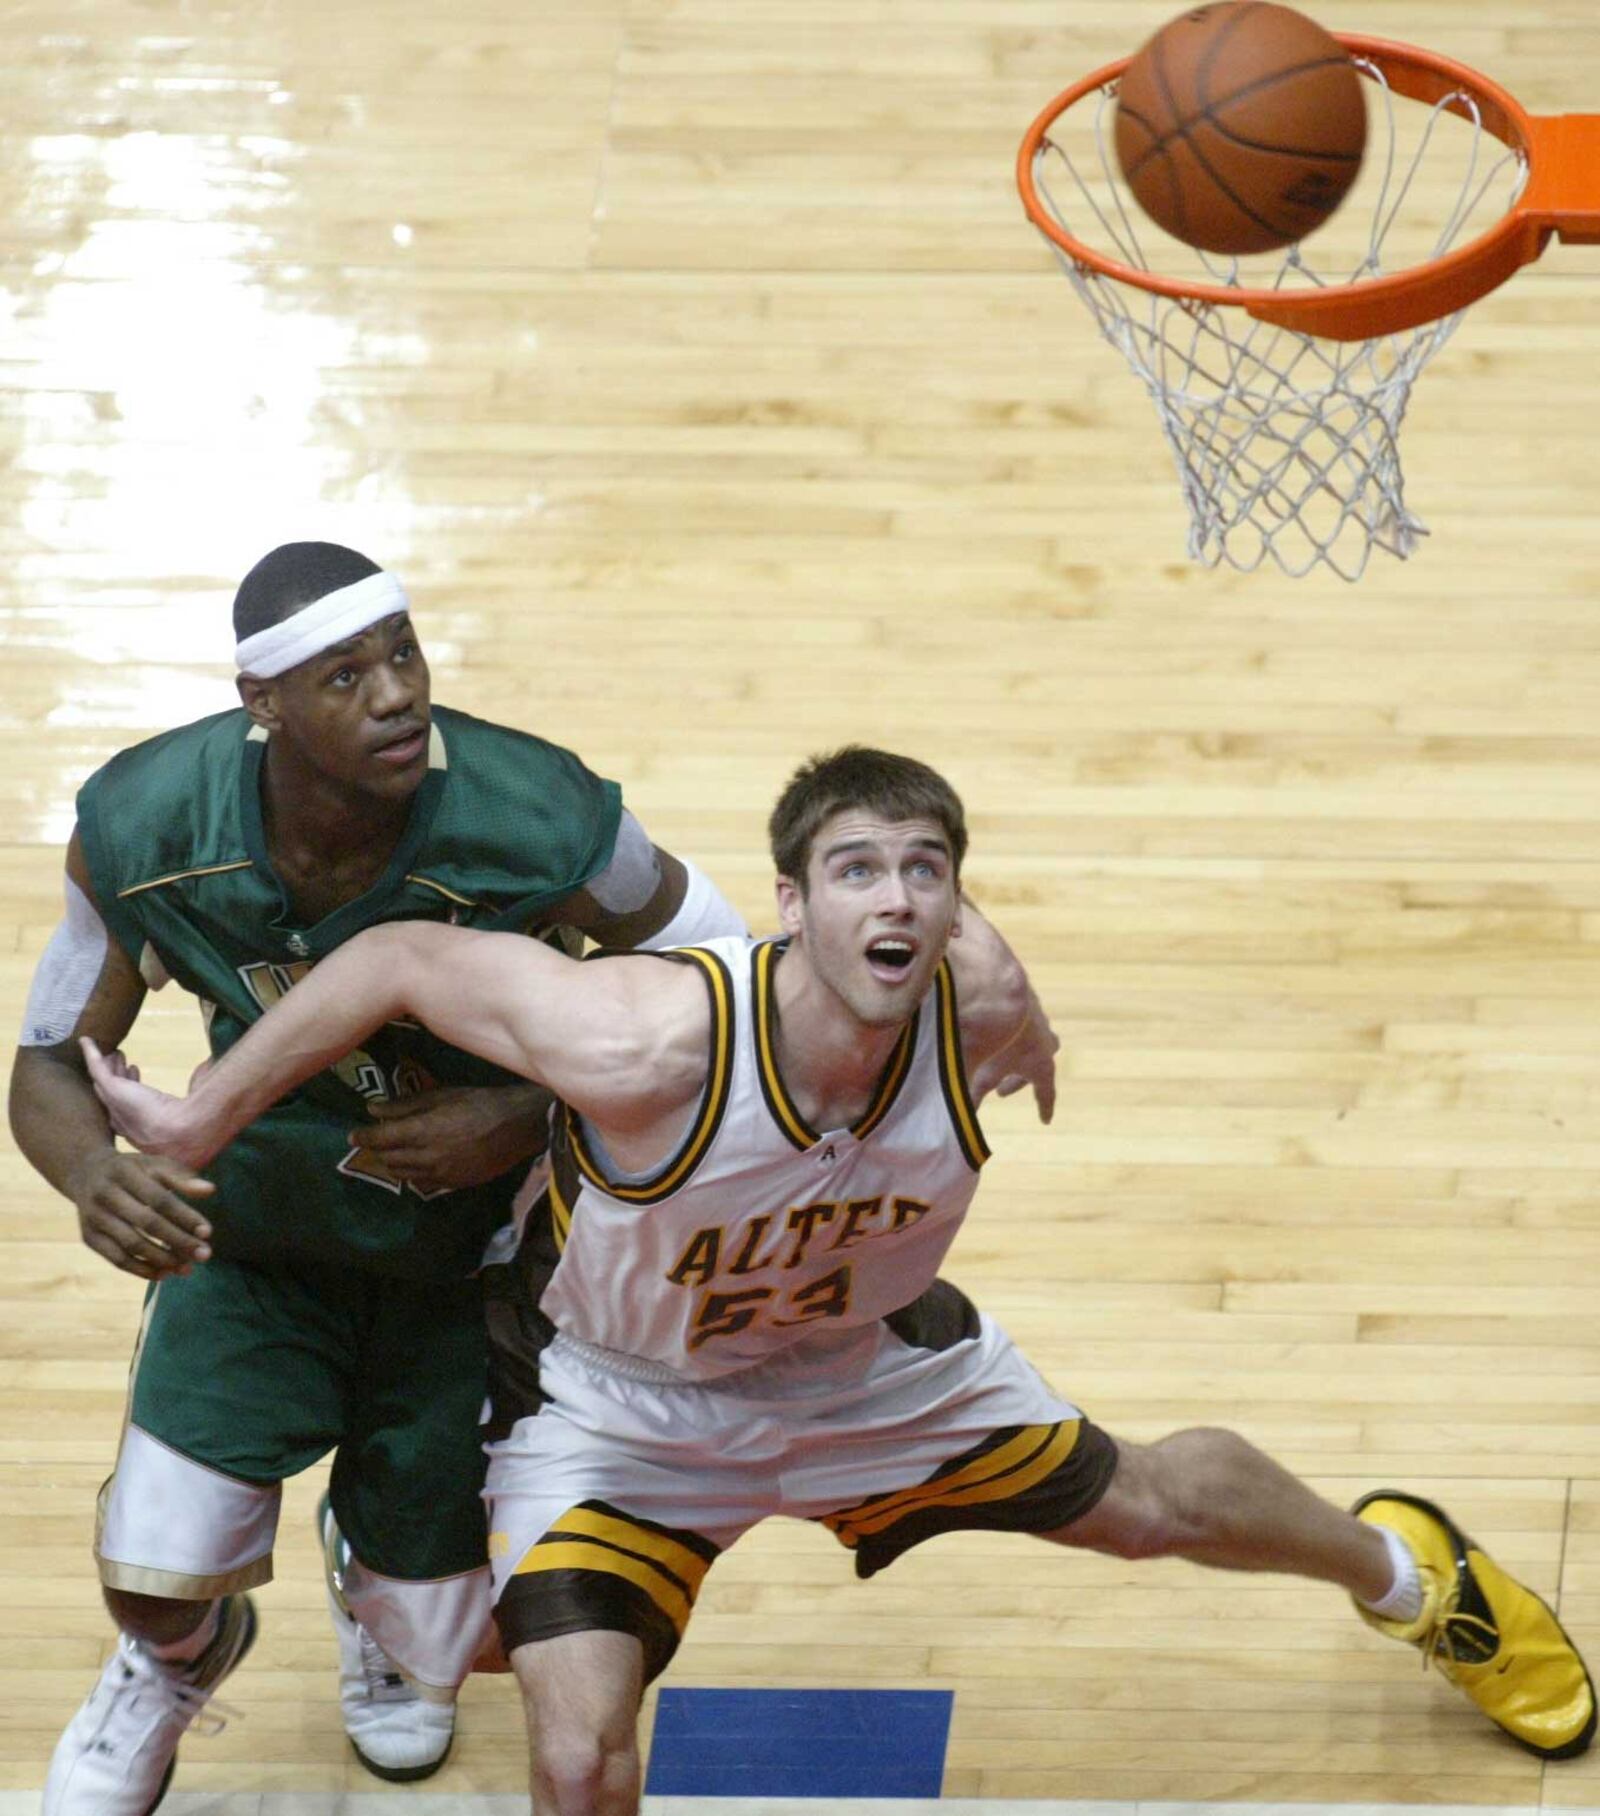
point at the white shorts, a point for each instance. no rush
(608, 1506)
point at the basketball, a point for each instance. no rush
(1240, 126)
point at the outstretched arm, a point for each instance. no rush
(1007, 1041)
(623, 1041)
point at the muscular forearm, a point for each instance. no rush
(991, 984)
(327, 1015)
(1006, 1034)
(56, 1119)
(462, 985)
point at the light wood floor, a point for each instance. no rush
(692, 361)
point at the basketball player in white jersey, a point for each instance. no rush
(731, 1308)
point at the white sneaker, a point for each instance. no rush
(397, 1732)
(117, 1755)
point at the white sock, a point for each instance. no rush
(1403, 1601)
(189, 1648)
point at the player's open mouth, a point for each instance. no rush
(890, 958)
(404, 750)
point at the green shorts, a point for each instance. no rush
(258, 1372)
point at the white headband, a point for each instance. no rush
(345, 612)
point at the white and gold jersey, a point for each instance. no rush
(760, 1230)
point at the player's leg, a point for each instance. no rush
(1042, 1468)
(1209, 1496)
(186, 1526)
(580, 1697)
(1213, 1498)
(402, 1525)
(609, 1500)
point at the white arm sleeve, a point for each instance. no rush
(67, 973)
(703, 914)
(632, 876)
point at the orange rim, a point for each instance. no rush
(1561, 196)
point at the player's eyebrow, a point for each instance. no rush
(932, 842)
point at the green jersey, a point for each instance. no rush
(503, 827)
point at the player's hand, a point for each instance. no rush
(1029, 1060)
(133, 1212)
(154, 1122)
(457, 1135)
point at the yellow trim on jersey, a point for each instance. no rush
(158, 882)
(786, 1115)
(953, 1074)
(450, 895)
(719, 1080)
(560, 1214)
(788, 1118)
(894, 1075)
(1012, 1468)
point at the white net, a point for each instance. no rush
(1287, 445)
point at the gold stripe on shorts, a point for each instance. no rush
(586, 1539)
(1010, 1469)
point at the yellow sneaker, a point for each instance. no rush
(1491, 1637)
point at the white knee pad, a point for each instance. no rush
(433, 1631)
(169, 1526)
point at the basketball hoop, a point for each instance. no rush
(1281, 382)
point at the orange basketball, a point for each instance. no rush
(1240, 126)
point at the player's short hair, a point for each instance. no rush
(294, 575)
(858, 777)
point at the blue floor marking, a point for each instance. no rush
(799, 1743)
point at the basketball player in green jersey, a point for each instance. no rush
(314, 1289)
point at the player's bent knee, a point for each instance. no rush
(1165, 1498)
(570, 1772)
(585, 1774)
(580, 1694)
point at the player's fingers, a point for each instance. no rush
(388, 1143)
(126, 1248)
(397, 1109)
(404, 1142)
(120, 1261)
(166, 1222)
(176, 1178)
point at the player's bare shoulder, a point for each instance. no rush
(651, 1038)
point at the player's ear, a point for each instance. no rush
(260, 700)
(790, 903)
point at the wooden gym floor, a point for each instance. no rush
(693, 363)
